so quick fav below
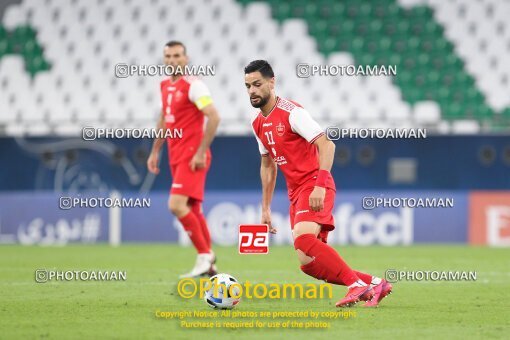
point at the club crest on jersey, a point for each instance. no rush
(280, 129)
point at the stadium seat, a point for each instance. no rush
(449, 66)
(465, 127)
(426, 112)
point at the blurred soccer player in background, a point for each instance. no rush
(186, 100)
(289, 138)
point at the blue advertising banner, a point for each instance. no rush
(354, 224)
(39, 218)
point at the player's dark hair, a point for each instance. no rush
(173, 43)
(261, 66)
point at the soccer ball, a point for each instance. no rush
(218, 296)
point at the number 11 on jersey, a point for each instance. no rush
(269, 136)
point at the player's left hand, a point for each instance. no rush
(316, 199)
(198, 161)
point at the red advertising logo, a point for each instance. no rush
(489, 220)
(253, 239)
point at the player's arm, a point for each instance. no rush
(326, 155)
(153, 160)
(268, 173)
(326, 152)
(304, 125)
(213, 120)
(199, 94)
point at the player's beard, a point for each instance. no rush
(263, 101)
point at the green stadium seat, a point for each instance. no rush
(31, 48)
(375, 27)
(382, 60)
(395, 59)
(311, 11)
(36, 64)
(412, 44)
(506, 114)
(385, 10)
(403, 27)
(23, 33)
(412, 95)
(365, 10)
(3, 33)
(4, 47)
(318, 27)
(367, 59)
(352, 10)
(453, 111)
(281, 11)
(337, 9)
(432, 28)
(389, 28)
(484, 112)
(357, 45)
(409, 61)
(433, 77)
(329, 45)
(442, 95)
(329, 10)
(452, 60)
(347, 26)
(417, 12)
(298, 11)
(335, 29)
(381, 32)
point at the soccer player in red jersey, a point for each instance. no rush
(289, 138)
(186, 100)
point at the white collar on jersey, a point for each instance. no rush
(275, 104)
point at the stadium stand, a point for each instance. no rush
(57, 61)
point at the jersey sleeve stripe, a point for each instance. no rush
(316, 137)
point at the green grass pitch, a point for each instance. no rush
(88, 310)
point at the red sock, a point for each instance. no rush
(367, 278)
(315, 270)
(327, 264)
(192, 226)
(197, 210)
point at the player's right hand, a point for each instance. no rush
(266, 219)
(152, 163)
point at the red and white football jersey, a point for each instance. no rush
(287, 134)
(182, 103)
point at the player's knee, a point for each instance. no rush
(177, 207)
(302, 228)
